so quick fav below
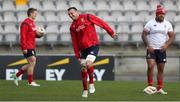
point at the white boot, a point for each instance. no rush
(161, 91)
(15, 79)
(91, 88)
(33, 84)
(85, 94)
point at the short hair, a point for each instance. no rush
(30, 10)
(72, 8)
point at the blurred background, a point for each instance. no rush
(126, 17)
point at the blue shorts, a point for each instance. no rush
(30, 52)
(160, 57)
(93, 50)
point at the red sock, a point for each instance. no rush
(84, 80)
(20, 72)
(30, 78)
(91, 75)
(160, 84)
(150, 81)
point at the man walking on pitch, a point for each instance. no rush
(86, 44)
(28, 33)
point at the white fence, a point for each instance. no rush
(135, 67)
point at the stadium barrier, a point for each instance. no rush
(107, 67)
(56, 67)
(135, 68)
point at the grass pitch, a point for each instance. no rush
(72, 90)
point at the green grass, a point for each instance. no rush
(71, 91)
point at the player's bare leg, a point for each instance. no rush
(20, 72)
(91, 76)
(160, 78)
(84, 81)
(30, 70)
(151, 64)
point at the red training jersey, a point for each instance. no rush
(83, 32)
(27, 34)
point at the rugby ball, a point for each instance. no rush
(41, 31)
(150, 90)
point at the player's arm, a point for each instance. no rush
(169, 41)
(171, 38)
(99, 22)
(23, 38)
(75, 44)
(144, 38)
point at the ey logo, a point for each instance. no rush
(56, 73)
(19, 62)
(59, 62)
(101, 62)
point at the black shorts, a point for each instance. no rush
(160, 57)
(93, 50)
(30, 52)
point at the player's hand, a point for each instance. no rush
(150, 49)
(163, 48)
(82, 62)
(79, 60)
(115, 36)
(38, 32)
(24, 51)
